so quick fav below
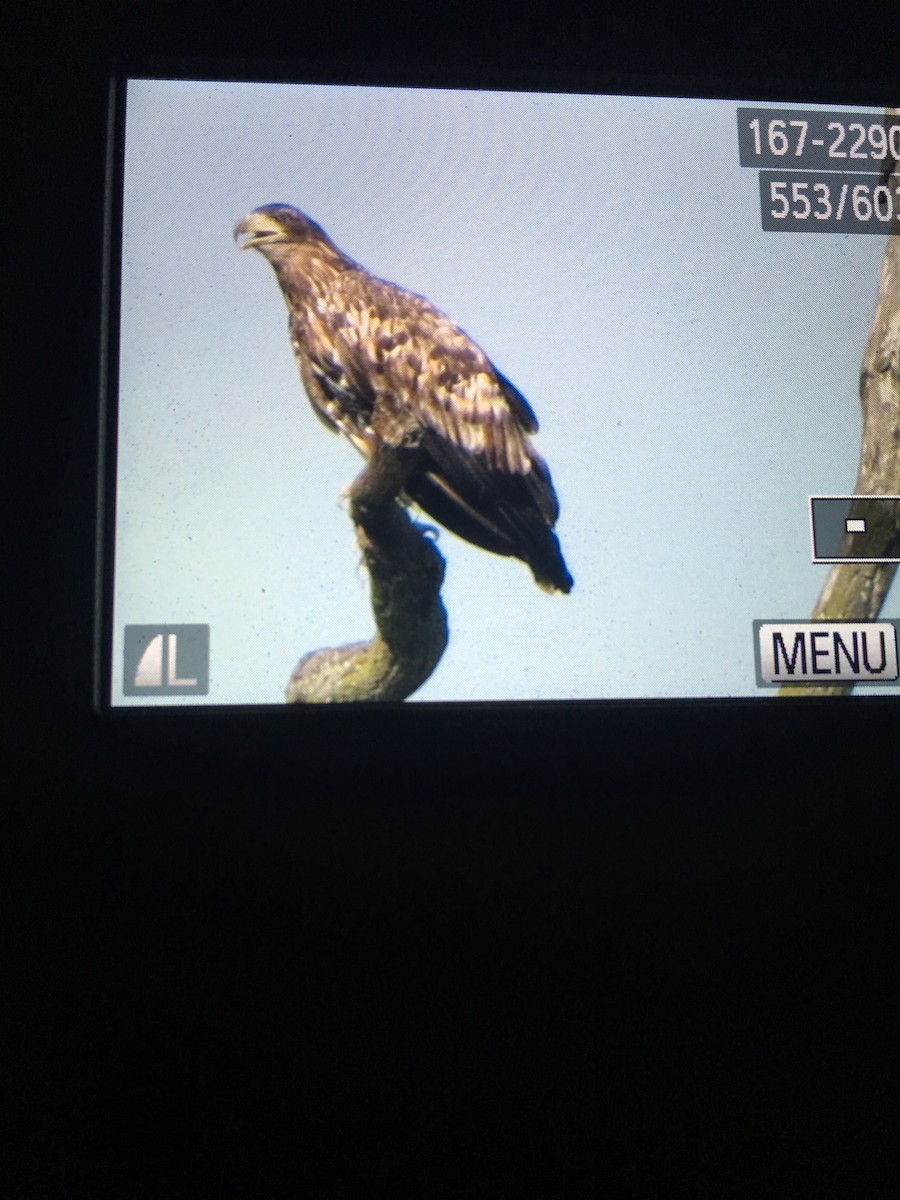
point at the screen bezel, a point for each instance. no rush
(793, 93)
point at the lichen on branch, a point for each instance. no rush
(406, 571)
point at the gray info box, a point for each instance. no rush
(855, 528)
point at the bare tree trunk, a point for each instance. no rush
(856, 591)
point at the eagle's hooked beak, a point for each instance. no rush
(255, 230)
(241, 231)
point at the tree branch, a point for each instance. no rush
(406, 571)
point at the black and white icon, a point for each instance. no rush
(166, 660)
(870, 521)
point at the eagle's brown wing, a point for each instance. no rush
(377, 360)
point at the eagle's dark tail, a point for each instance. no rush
(550, 570)
(506, 514)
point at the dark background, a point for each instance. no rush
(615, 951)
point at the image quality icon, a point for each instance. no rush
(166, 660)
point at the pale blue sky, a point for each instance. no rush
(695, 379)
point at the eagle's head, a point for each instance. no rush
(274, 225)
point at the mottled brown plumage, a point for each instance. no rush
(384, 367)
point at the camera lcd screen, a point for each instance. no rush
(614, 343)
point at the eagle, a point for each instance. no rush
(385, 368)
